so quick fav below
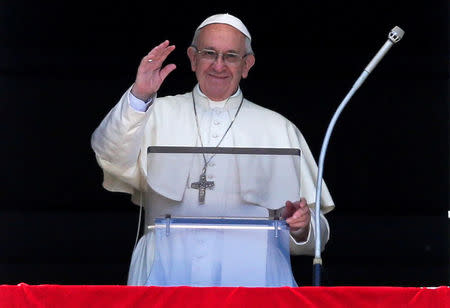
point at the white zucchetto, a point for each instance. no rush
(226, 19)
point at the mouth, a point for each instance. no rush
(218, 77)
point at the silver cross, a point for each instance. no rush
(201, 185)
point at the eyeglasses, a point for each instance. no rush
(211, 55)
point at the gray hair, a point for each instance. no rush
(248, 42)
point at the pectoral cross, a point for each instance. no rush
(201, 185)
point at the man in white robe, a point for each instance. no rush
(214, 114)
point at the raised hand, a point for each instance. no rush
(150, 74)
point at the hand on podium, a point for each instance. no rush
(298, 217)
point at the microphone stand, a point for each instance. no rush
(394, 36)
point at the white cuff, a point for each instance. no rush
(294, 233)
(137, 104)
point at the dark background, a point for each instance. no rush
(63, 65)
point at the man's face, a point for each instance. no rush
(218, 79)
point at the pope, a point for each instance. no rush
(214, 114)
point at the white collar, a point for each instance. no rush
(205, 102)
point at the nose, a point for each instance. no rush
(219, 63)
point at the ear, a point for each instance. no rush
(249, 61)
(191, 54)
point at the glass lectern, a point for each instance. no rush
(222, 232)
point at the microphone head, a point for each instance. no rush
(396, 34)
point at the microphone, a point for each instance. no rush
(394, 36)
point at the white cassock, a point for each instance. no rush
(163, 187)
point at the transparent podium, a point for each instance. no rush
(221, 232)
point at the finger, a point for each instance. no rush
(298, 224)
(166, 51)
(161, 52)
(295, 204)
(301, 212)
(303, 202)
(288, 203)
(155, 62)
(288, 210)
(299, 221)
(157, 49)
(298, 214)
(291, 208)
(166, 71)
(303, 205)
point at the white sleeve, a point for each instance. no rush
(308, 247)
(117, 144)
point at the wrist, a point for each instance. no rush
(145, 97)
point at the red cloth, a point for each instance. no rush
(50, 296)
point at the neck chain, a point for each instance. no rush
(202, 184)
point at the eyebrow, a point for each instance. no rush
(227, 51)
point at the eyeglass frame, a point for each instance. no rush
(199, 52)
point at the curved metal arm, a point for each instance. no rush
(317, 255)
(394, 36)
